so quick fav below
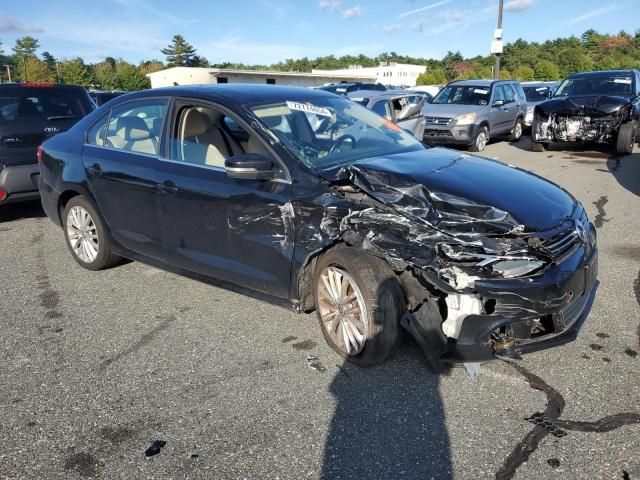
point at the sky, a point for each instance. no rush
(268, 31)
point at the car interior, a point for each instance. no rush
(205, 138)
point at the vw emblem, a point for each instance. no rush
(581, 231)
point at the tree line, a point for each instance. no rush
(521, 60)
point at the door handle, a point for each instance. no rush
(95, 170)
(168, 187)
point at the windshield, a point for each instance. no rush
(463, 95)
(331, 131)
(28, 104)
(536, 94)
(599, 84)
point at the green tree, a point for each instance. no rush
(524, 73)
(573, 60)
(129, 78)
(26, 47)
(36, 71)
(104, 74)
(151, 66)
(49, 60)
(1, 49)
(179, 53)
(435, 76)
(75, 72)
(546, 70)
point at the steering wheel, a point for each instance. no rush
(343, 139)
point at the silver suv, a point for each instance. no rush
(469, 112)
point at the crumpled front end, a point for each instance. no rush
(586, 119)
(477, 282)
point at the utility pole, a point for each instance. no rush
(8, 72)
(498, 52)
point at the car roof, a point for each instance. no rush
(375, 94)
(242, 93)
(601, 72)
(27, 85)
(477, 83)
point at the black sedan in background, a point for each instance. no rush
(362, 224)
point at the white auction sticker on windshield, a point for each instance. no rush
(305, 107)
(622, 80)
(481, 90)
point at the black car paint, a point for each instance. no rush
(266, 235)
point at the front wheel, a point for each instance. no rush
(359, 303)
(481, 140)
(536, 146)
(86, 237)
(626, 138)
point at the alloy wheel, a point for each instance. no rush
(517, 131)
(342, 310)
(481, 141)
(83, 234)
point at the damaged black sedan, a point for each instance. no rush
(590, 107)
(317, 202)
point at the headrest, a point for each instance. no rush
(195, 123)
(132, 129)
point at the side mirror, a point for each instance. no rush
(250, 166)
(498, 103)
(549, 94)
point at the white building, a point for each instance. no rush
(196, 75)
(390, 73)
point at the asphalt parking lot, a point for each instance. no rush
(95, 367)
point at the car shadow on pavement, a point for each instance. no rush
(389, 421)
(626, 171)
(20, 211)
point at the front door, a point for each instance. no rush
(121, 157)
(240, 231)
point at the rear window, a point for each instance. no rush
(46, 104)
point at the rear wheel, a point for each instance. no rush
(359, 302)
(516, 132)
(86, 237)
(626, 138)
(481, 140)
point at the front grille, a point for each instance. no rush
(437, 133)
(437, 120)
(562, 244)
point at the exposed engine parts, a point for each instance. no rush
(572, 128)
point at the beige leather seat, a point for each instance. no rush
(204, 141)
(133, 134)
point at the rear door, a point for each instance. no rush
(31, 114)
(121, 158)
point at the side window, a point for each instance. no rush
(95, 135)
(509, 95)
(498, 93)
(137, 126)
(382, 108)
(204, 135)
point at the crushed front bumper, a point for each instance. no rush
(561, 300)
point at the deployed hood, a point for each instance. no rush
(595, 105)
(449, 110)
(456, 192)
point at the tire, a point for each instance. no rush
(376, 287)
(481, 140)
(89, 231)
(626, 138)
(536, 146)
(516, 131)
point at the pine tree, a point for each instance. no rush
(49, 60)
(179, 53)
(26, 47)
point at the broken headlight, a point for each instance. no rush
(511, 265)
